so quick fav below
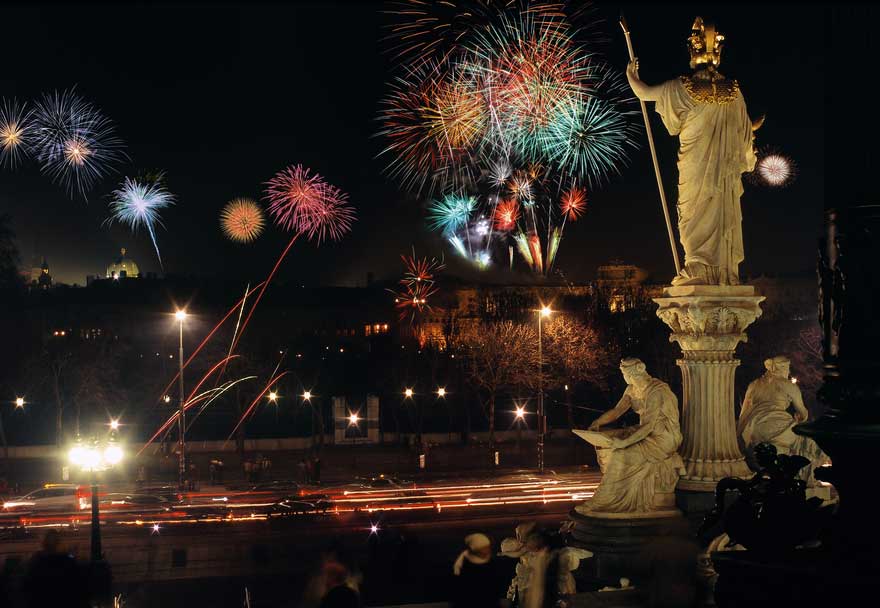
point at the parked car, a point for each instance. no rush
(51, 497)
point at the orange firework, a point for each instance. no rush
(242, 220)
(506, 215)
(573, 203)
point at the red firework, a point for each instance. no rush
(420, 270)
(573, 202)
(506, 215)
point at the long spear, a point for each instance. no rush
(632, 57)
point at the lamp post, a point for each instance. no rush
(93, 458)
(180, 315)
(542, 418)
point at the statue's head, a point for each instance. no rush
(704, 45)
(632, 370)
(778, 366)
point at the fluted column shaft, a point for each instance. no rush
(708, 322)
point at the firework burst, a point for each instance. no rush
(416, 286)
(137, 203)
(775, 169)
(303, 202)
(75, 143)
(506, 215)
(16, 133)
(573, 203)
(242, 220)
(451, 212)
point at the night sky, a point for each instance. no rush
(223, 96)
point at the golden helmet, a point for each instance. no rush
(704, 45)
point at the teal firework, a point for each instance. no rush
(451, 212)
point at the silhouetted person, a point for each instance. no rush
(476, 578)
(54, 579)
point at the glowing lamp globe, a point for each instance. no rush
(112, 455)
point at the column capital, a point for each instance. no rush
(709, 317)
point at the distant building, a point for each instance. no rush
(39, 276)
(619, 283)
(123, 268)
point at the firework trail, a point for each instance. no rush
(256, 400)
(242, 220)
(16, 132)
(305, 204)
(75, 144)
(207, 338)
(207, 397)
(137, 203)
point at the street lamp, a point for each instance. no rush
(408, 393)
(181, 315)
(307, 395)
(441, 392)
(94, 457)
(543, 313)
(273, 396)
(19, 402)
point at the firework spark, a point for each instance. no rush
(451, 212)
(75, 143)
(506, 215)
(16, 133)
(303, 202)
(242, 220)
(587, 138)
(417, 285)
(775, 169)
(573, 203)
(137, 203)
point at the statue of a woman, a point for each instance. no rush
(641, 463)
(708, 113)
(765, 417)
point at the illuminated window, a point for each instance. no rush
(368, 329)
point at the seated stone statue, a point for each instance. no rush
(640, 464)
(765, 418)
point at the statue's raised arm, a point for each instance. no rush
(708, 113)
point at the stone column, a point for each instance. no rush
(708, 322)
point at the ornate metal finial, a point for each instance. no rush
(704, 45)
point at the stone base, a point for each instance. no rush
(695, 504)
(624, 546)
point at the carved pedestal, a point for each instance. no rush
(708, 322)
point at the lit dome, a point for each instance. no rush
(123, 267)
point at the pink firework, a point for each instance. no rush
(303, 202)
(573, 202)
